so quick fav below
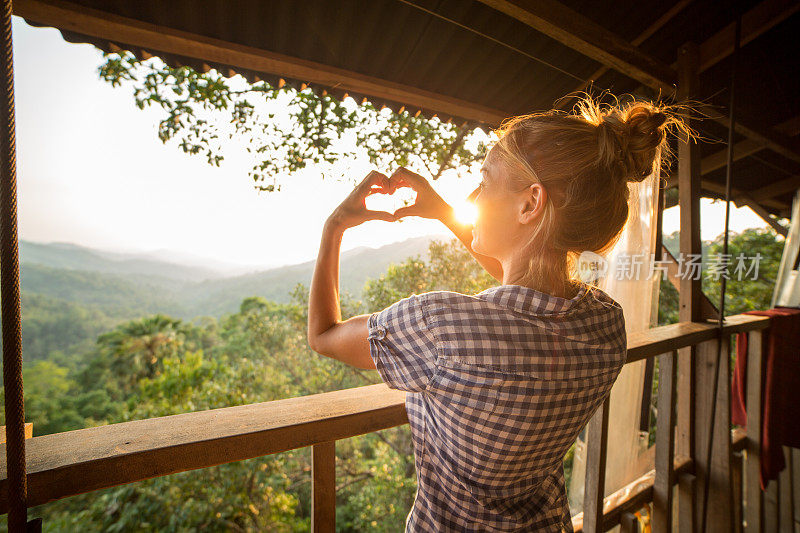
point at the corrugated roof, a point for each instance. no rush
(466, 50)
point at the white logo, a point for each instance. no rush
(591, 267)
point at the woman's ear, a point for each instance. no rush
(532, 201)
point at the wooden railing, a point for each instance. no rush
(75, 462)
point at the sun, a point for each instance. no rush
(466, 212)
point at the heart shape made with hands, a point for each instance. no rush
(399, 195)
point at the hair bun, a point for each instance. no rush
(630, 140)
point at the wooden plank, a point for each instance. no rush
(738, 494)
(585, 36)
(631, 497)
(720, 500)
(785, 496)
(138, 34)
(754, 512)
(594, 486)
(73, 462)
(639, 492)
(28, 432)
(323, 487)
(717, 473)
(654, 341)
(665, 443)
(647, 395)
(689, 188)
(658, 253)
(771, 510)
(795, 466)
(704, 363)
(687, 487)
(690, 302)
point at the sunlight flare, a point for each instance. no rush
(466, 212)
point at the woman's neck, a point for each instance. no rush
(515, 272)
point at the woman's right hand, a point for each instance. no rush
(428, 203)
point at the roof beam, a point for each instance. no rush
(741, 198)
(547, 16)
(138, 34)
(738, 196)
(764, 214)
(755, 22)
(642, 37)
(581, 34)
(741, 150)
(774, 189)
(775, 141)
(747, 147)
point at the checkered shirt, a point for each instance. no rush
(499, 386)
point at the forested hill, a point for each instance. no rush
(128, 286)
(86, 365)
(74, 257)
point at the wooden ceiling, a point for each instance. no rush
(481, 61)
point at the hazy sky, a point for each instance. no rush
(92, 171)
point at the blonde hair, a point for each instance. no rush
(584, 160)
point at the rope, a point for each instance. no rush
(9, 289)
(717, 365)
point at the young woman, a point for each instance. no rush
(500, 383)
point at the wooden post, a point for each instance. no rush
(594, 486)
(690, 291)
(718, 473)
(686, 508)
(665, 443)
(754, 512)
(689, 189)
(771, 511)
(785, 494)
(323, 487)
(794, 464)
(736, 473)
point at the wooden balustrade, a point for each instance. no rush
(75, 462)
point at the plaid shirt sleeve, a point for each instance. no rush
(402, 346)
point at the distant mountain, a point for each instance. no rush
(224, 269)
(74, 257)
(219, 296)
(117, 295)
(124, 285)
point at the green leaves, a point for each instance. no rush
(311, 127)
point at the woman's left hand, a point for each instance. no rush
(353, 210)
